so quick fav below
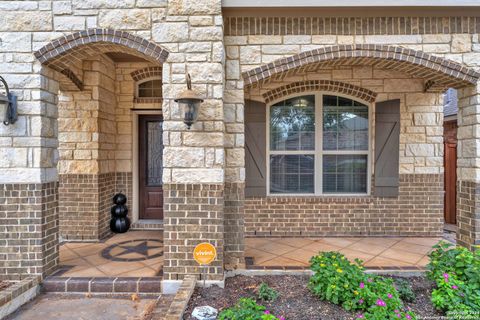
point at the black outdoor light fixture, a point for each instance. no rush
(189, 102)
(8, 105)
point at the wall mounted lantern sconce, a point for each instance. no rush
(189, 103)
(8, 105)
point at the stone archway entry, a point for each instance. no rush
(91, 71)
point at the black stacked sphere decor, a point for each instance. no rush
(120, 222)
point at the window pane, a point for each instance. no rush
(144, 85)
(292, 173)
(150, 89)
(142, 93)
(292, 124)
(345, 124)
(345, 173)
(156, 84)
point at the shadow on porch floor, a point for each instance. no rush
(131, 254)
(377, 253)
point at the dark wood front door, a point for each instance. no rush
(150, 166)
(450, 159)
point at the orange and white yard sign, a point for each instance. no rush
(204, 253)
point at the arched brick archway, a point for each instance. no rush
(439, 73)
(320, 85)
(64, 54)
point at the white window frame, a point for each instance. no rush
(319, 152)
(137, 86)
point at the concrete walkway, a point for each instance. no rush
(55, 307)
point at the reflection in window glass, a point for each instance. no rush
(292, 173)
(345, 124)
(292, 124)
(345, 173)
(150, 89)
(344, 155)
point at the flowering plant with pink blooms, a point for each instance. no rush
(340, 281)
(456, 273)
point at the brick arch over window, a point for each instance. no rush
(64, 54)
(320, 85)
(439, 73)
(145, 73)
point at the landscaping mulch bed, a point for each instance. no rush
(296, 302)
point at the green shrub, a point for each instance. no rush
(456, 272)
(342, 282)
(247, 309)
(404, 290)
(265, 293)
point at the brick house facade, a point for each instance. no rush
(77, 68)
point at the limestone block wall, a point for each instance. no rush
(87, 122)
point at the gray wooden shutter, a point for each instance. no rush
(255, 149)
(387, 145)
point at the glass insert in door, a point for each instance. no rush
(154, 153)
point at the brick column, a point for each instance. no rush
(468, 167)
(193, 159)
(28, 180)
(235, 161)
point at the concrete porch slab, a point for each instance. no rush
(131, 254)
(377, 253)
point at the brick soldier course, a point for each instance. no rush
(75, 66)
(319, 85)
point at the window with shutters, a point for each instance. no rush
(318, 144)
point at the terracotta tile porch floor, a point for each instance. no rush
(377, 253)
(131, 254)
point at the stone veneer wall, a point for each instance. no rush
(417, 211)
(28, 229)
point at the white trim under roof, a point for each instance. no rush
(348, 3)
